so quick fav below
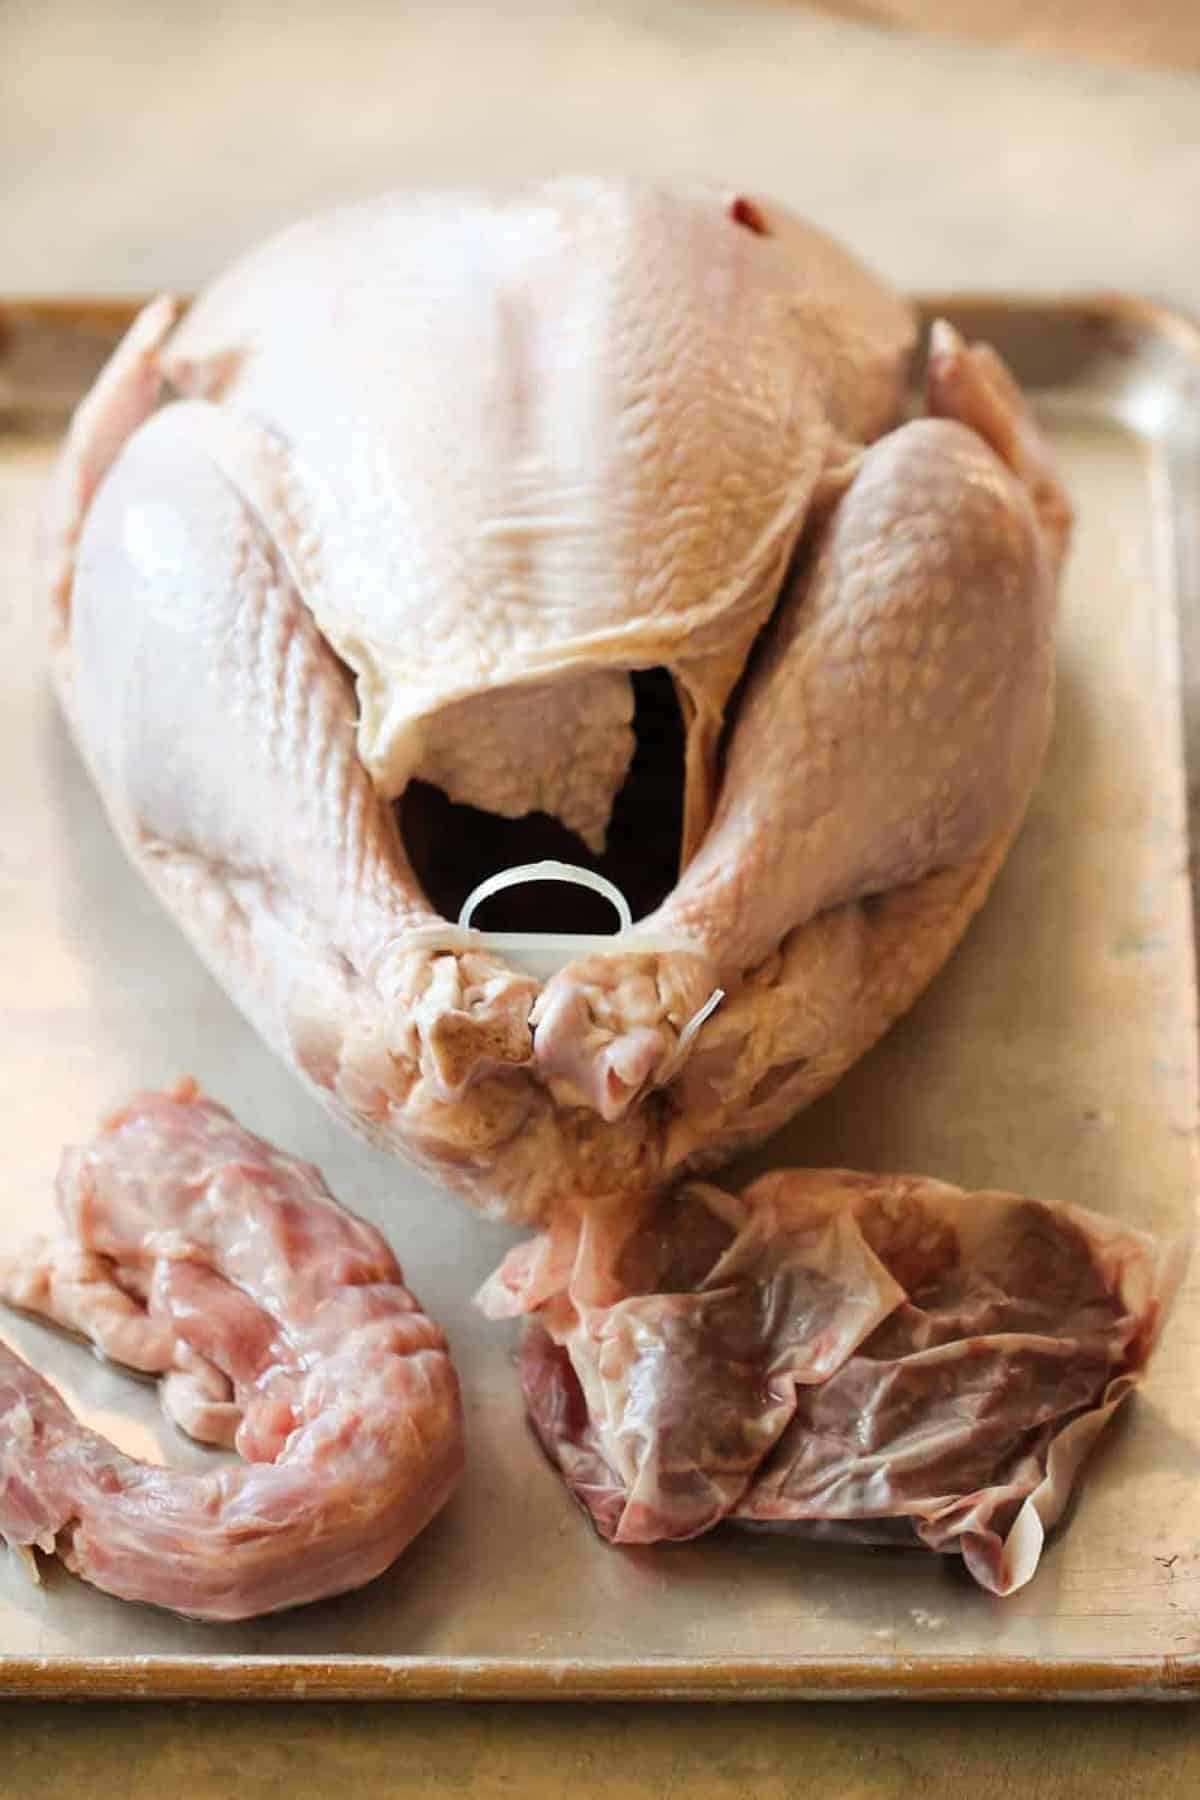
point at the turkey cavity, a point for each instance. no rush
(454, 847)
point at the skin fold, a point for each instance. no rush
(857, 1358)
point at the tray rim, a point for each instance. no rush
(1156, 318)
(1150, 316)
(654, 1679)
(1167, 1677)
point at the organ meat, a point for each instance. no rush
(439, 480)
(878, 1358)
(277, 1323)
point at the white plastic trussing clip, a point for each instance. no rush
(544, 871)
(543, 953)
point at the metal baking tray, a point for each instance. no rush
(1055, 1054)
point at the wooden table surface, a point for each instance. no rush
(1165, 33)
(143, 144)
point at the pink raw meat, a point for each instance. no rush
(279, 1323)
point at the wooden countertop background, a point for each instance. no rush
(1030, 143)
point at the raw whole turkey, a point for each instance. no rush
(880, 1359)
(277, 1323)
(575, 520)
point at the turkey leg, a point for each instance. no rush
(893, 725)
(260, 827)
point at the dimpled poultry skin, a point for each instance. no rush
(411, 499)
